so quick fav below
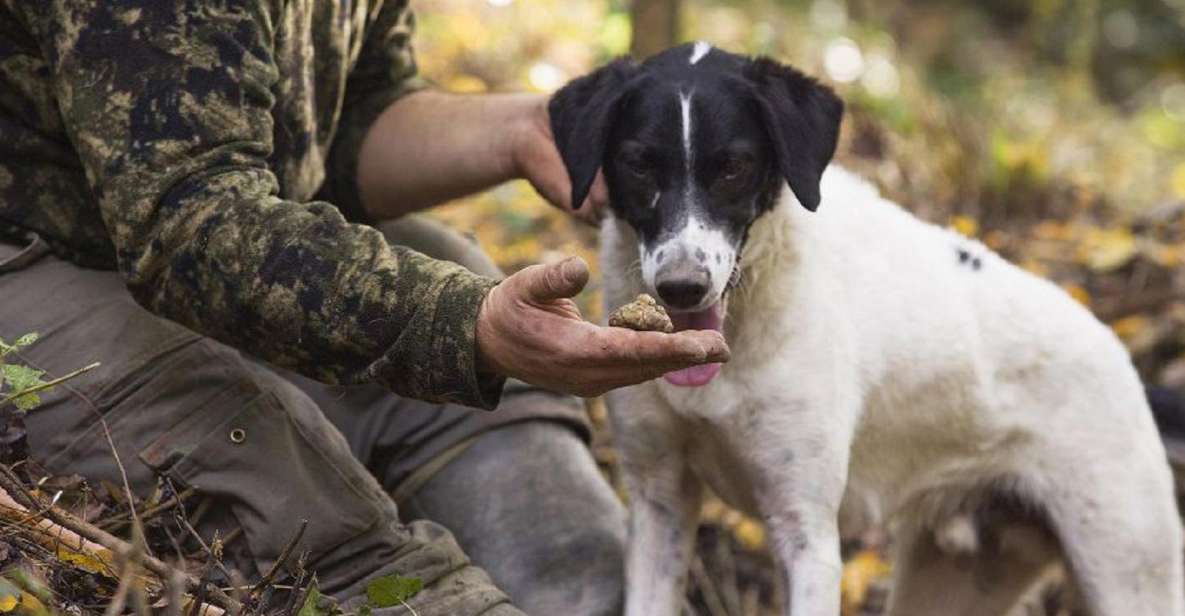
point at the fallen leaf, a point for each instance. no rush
(10, 596)
(1108, 249)
(965, 225)
(859, 573)
(1077, 292)
(391, 590)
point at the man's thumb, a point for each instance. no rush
(556, 281)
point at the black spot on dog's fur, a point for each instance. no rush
(966, 258)
(700, 255)
(717, 258)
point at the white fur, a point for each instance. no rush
(870, 368)
(698, 51)
(688, 152)
(695, 239)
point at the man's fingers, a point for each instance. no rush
(674, 351)
(597, 201)
(545, 283)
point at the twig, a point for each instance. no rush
(174, 590)
(123, 474)
(285, 553)
(147, 514)
(10, 483)
(294, 594)
(46, 385)
(203, 583)
(127, 566)
(183, 518)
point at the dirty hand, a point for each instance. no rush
(529, 328)
(537, 159)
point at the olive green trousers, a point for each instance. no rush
(501, 511)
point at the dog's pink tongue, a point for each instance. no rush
(696, 376)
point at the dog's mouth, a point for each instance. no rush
(712, 318)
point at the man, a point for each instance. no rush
(207, 152)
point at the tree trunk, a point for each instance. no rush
(655, 25)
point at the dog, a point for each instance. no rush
(883, 369)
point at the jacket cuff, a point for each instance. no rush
(435, 357)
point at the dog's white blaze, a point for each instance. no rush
(697, 238)
(685, 107)
(654, 201)
(689, 184)
(700, 50)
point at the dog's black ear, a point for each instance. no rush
(802, 117)
(582, 115)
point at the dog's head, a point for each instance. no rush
(695, 144)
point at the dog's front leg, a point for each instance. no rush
(664, 502)
(802, 453)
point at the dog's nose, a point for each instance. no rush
(683, 292)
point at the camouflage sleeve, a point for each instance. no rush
(384, 71)
(167, 102)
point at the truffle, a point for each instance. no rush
(642, 314)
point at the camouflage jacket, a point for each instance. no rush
(189, 143)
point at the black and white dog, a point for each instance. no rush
(879, 363)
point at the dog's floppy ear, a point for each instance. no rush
(582, 115)
(802, 117)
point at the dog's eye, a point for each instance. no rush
(734, 169)
(636, 167)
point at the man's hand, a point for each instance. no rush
(530, 329)
(536, 158)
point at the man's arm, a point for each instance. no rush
(168, 103)
(430, 147)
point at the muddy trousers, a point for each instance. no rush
(495, 512)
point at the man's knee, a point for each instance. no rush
(528, 504)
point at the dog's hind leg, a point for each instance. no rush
(1117, 522)
(664, 502)
(999, 571)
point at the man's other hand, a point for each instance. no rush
(529, 328)
(537, 159)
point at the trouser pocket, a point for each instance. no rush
(273, 466)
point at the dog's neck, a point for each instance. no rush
(770, 259)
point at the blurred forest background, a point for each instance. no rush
(1052, 130)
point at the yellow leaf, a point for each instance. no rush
(1178, 180)
(9, 602)
(31, 605)
(1109, 249)
(1077, 292)
(1128, 328)
(750, 534)
(965, 224)
(859, 573)
(99, 563)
